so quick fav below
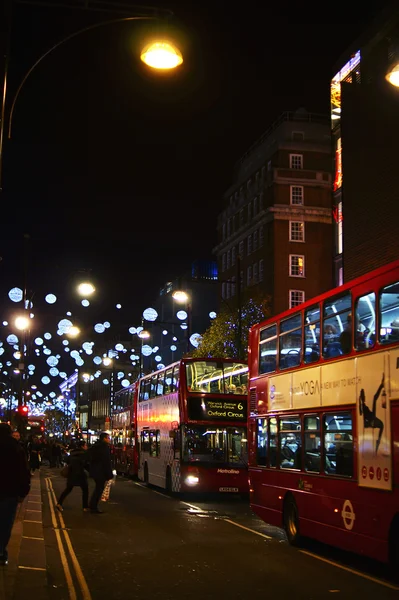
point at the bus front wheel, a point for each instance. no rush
(291, 521)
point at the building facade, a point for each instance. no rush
(275, 232)
(365, 130)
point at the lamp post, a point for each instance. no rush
(143, 335)
(160, 54)
(22, 323)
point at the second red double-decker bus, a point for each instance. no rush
(192, 426)
(123, 432)
(324, 417)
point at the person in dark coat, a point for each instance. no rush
(34, 449)
(77, 465)
(14, 484)
(100, 469)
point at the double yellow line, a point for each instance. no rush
(67, 541)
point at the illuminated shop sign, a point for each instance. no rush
(336, 85)
(207, 409)
(338, 166)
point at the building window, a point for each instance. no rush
(296, 298)
(296, 194)
(241, 217)
(224, 231)
(228, 258)
(233, 286)
(261, 269)
(296, 161)
(297, 265)
(255, 206)
(261, 201)
(229, 227)
(298, 136)
(249, 245)
(249, 275)
(249, 211)
(261, 238)
(233, 256)
(297, 233)
(255, 272)
(255, 240)
(224, 262)
(241, 249)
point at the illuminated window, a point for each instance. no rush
(296, 161)
(296, 298)
(296, 194)
(297, 231)
(297, 265)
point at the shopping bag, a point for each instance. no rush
(64, 471)
(106, 491)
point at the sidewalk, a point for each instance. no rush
(25, 575)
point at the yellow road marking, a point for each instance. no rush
(79, 573)
(64, 561)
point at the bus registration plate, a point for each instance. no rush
(228, 489)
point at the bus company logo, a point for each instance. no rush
(348, 515)
(386, 474)
(272, 392)
(364, 471)
(228, 471)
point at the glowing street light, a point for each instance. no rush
(393, 75)
(86, 289)
(21, 323)
(107, 361)
(161, 55)
(73, 331)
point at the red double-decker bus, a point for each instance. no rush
(123, 432)
(192, 426)
(324, 417)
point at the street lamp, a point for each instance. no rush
(144, 334)
(159, 54)
(183, 298)
(86, 289)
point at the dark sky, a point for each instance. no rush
(114, 168)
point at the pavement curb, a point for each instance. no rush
(26, 573)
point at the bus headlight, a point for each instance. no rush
(192, 477)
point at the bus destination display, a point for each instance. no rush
(204, 409)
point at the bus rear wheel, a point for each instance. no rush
(291, 521)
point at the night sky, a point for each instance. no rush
(115, 168)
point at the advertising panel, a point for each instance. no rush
(374, 423)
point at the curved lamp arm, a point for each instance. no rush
(66, 39)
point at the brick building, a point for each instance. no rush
(275, 231)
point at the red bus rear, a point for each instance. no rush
(324, 417)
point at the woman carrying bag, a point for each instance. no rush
(76, 475)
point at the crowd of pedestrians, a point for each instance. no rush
(20, 460)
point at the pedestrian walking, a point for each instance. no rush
(77, 476)
(14, 485)
(100, 469)
(34, 448)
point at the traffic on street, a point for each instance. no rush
(151, 544)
